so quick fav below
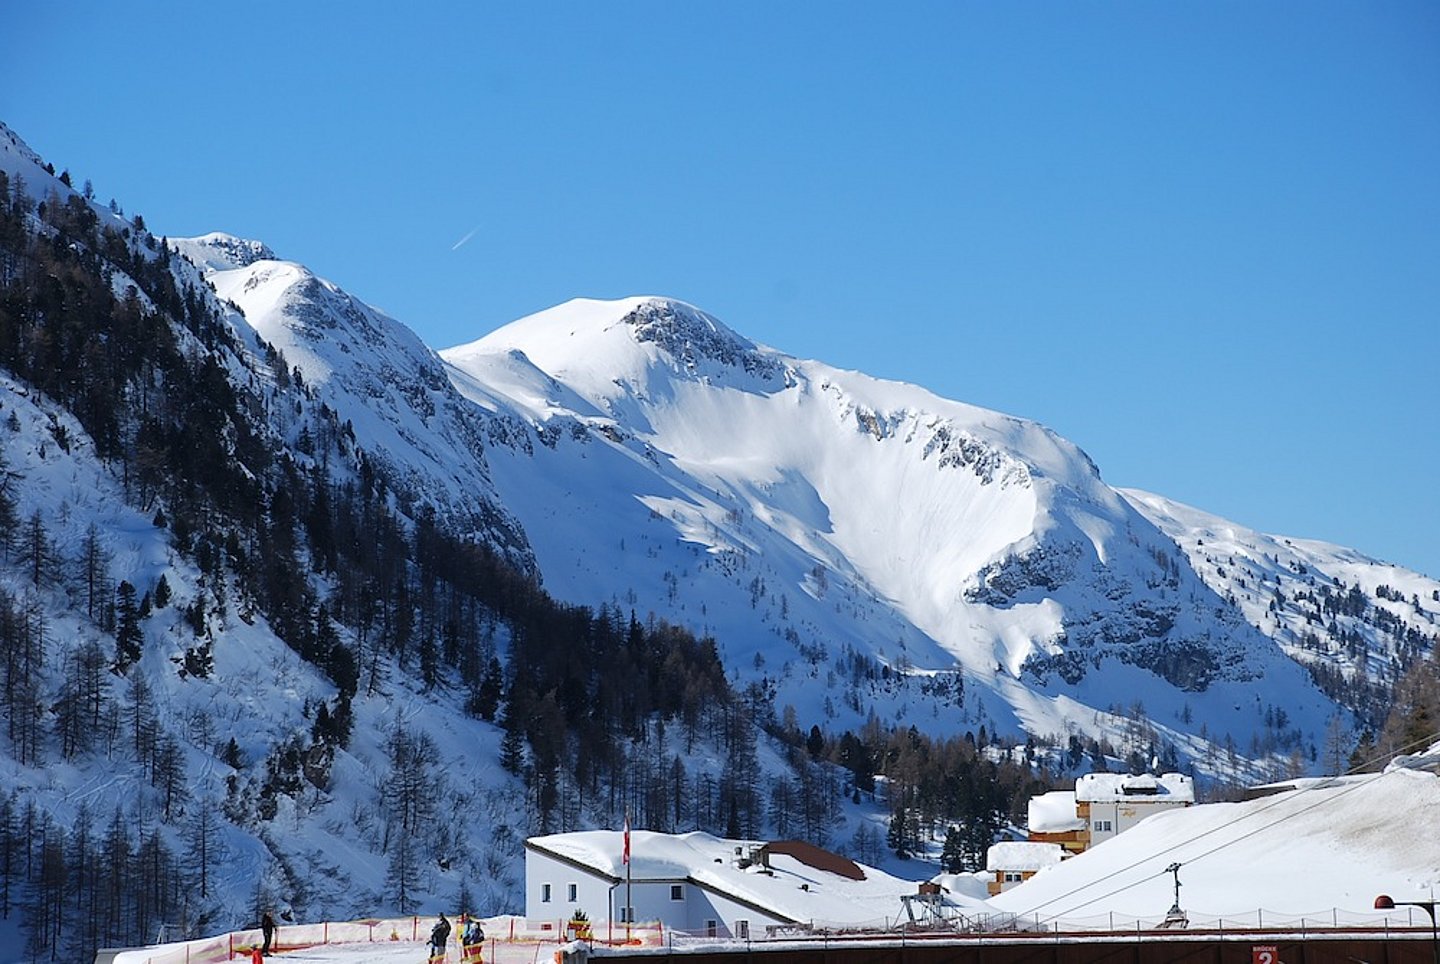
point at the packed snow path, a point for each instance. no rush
(407, 952)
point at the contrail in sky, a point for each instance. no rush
(471, 234)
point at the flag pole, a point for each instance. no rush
(629, 908)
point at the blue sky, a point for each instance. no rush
(1202, 240)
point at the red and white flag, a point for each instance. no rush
(625, 854)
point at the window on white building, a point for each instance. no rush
(627, 915)
(572, 892)
(711, 927)
(544, 893)
(1102, 826)
(677, 891)
(742, 929)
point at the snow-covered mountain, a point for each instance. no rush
(855, 546)
(1354, 621)
(823, 524)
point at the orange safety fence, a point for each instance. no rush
(505, 929)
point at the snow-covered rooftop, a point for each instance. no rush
(1109, 787)
(789, 887)
(1054, 812)
(1023, 855)
(1428, 760)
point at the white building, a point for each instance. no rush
(704, 885)
(1111, 803)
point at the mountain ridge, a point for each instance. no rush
(633, 379)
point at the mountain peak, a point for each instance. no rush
(218, 251)
(630, 341)
(691, 336)
(12, 143)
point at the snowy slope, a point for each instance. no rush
(1328, 606)
(258, 693)
(803, 514)
(375, 373)
(1330, 846)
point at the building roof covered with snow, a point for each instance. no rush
(1112, 787)
(790, 880)
(1054, 812)
(1023, 855)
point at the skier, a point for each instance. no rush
(438, 936)
(267, 928)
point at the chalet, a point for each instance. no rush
(1015, 861)
(704, 885)
(1111, 803)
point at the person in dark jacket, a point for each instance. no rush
(267, 930)
(438, 936)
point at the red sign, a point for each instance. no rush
(1264, 954)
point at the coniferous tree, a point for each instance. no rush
(412, 787)
(485, 699)
(82, 872)
(168, 775)
(9, 847)
(9, 513)
(203, 844)
(952, 855)
(402, 874)
(46, 912)
(37, 552)
(94, 563)
(25, 646)
(129, 637)
(115, 880)
(141, 721)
